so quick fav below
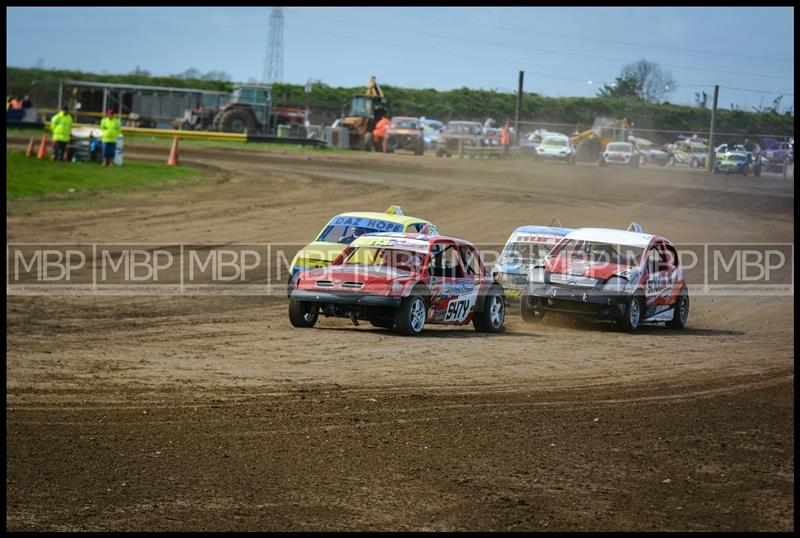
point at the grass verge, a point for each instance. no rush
(26, 176)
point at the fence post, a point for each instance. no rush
(710, 158)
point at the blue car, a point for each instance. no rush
(526, 247)
(737, 162)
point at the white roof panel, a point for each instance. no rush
(611, 236)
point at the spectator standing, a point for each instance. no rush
(112, 128)
(61, 126)
(379, 133)
(505, 139)
(26, 102)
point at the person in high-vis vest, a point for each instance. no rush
(61, 126)
(111, 128)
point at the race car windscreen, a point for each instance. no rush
(346, 233)
(597, 253)
(622, 148)
(392, 258)
(525, 253)
(406, 124)
(555, 141)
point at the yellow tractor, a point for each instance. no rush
(591, 143)
(365, 111)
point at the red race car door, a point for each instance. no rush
(453, 292)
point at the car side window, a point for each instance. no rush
(654, 260)
(471, 263)
(446, 262)
(670, 256)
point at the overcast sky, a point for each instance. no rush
(560, 49)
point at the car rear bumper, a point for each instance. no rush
(356, 299)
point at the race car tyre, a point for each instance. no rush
(302, 313)
(494, 312)
(634, 163)
(671, 160)
(412, 314)
(633, 314)
(745, 171)
(439, 153)
(571, 159)
(420, 150)
(663, 163)
(527, 312)
(642, 160)
(602, 162)
(681, 311)
(694, 163)
(382, 323)
(757, 170)
(587, 151)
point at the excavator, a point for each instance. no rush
(591, 143)
(365, 111)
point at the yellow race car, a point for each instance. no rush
(343, 229)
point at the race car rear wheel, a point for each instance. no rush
(412, 314)
(302, 313)
(494, 312)
(527, 312)
(681, 311)
(632, 317)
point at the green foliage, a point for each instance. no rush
(621, 88)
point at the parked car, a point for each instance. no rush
(737, 162)
(530, 142)
(527, 247)
(431, 130)
(556, 146)
(342, 229)
(621, 153)
(625, 276)
(777, 154)
(405, 133)
(649, 152)
(402, 281)
(692, 154)
(468, 132)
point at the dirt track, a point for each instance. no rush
(190, 413)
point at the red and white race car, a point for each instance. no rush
(402, 281)
(626, 276)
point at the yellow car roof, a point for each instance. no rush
(405, 220)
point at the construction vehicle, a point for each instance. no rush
(365, 111)
(590, 144)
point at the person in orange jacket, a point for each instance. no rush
(379, 133)
(505, 139)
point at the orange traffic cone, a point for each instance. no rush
(42, 148)
(173, 153)
(29, 151)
